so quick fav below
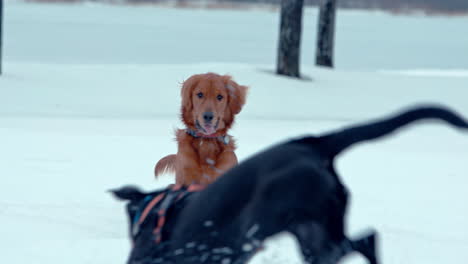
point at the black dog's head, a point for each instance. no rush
(135, 204)
(142, 219)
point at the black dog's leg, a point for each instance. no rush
(312, 239)
(323, 240)
(331, 253)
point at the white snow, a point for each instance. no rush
(90, 97)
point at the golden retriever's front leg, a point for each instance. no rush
(188, 170)
(225, 161)
(212, 169)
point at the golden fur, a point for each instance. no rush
(202, 158)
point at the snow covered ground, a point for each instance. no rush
(90, 98)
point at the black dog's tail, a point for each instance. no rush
(336, 142)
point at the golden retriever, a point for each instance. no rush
(205, 150)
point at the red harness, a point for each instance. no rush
(164, 201)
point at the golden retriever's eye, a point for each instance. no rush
(200, 95)
(220, 97)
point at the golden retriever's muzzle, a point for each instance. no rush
(209, 126)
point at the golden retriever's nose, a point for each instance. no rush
(208, 116)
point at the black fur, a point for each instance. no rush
(290, 187)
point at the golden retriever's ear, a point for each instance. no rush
(237, 94)
(186, 94)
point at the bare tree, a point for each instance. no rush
(290, 38)
(326, 33)
(1, 34)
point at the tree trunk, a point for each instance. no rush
(290, 38)
(326, 33)
(1, 34)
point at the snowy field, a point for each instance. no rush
(90, 97)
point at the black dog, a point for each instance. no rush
(290, 187)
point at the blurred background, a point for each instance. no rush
(90, 99)
(448, 7)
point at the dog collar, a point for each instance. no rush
(223, 138)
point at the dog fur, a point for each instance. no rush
(290, 187)
(205, 150)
